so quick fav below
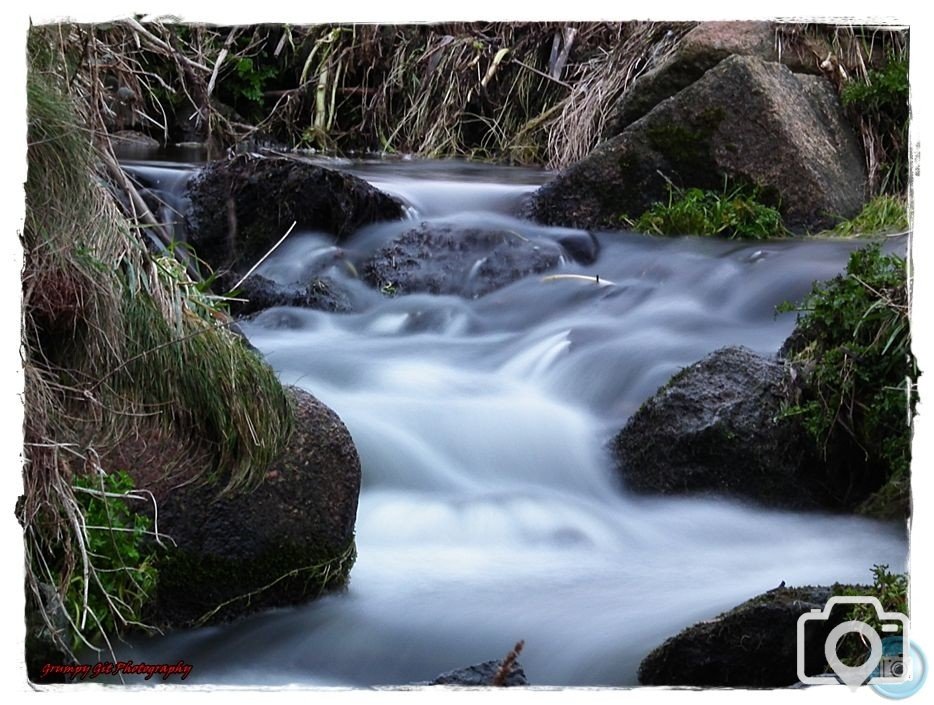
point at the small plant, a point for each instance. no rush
(879, 104)
(853, 340)
(734, 214)
(892, 591)
(883, 214)
(120, 574)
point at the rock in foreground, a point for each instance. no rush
(751, 646)
(284, 543)
(716, 428)
(749, 121)
(482, 674)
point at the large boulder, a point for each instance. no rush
(283, 543)
(240, 207)
(701, 49)
(717, 428)
(748, 121)
(471, 262)
(751, 646)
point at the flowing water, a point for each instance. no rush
(490, 511)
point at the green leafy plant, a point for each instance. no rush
(853, 343)
(120, 574)
(879, 104)
(892, 591)
(883, 214)
(734, 214)
(250, 78)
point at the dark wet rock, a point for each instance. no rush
(746, 120)
(258, 293)
(283, 543)
(444, 259)
(700, 50)
(241, 207)
(717, 427)
(752, 646)
(130, 142)
(581, 246)
(482, 674)
(41, 646)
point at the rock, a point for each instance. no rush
(747, 120)
(131, 143)
(699, 50)
(716, 427)
(41, 646)
(482, 674)
(752, 646)
(259, 293)
(241, 207)
(284, 543)
(444, 259)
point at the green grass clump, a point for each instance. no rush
(125, 574)
(883, 214)
(128, 365)
(879, 104)
(734, 214)
(854, 342)
(892, 591)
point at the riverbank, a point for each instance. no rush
(482, 341)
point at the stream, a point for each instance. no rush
(490, 509)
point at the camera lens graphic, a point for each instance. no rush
(899, 691)
(853, 676)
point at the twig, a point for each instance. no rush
(509, 663)
(264, 257)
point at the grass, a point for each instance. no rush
(853, 342)
(523, 92)
(869, 66)
(884, 214)
(892, 591)
(733, 214)
(129, 366)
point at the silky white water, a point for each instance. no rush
(491, 511)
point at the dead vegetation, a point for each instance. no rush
(123, 353)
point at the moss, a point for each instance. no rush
(197, 589)
(688, 145)
(854, 337)
(119, 345)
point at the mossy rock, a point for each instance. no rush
(285, 542)
(240, 207)
(700, 50)
(753, 645)
(716, 428)
(747, 122)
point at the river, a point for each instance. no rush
(490, 509)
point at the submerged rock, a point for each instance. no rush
(482, 674)
(240, 207)
(747, 120)
(283, 543)
(258, 293)
(751, 646)
(717, 427)
(444, 259)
